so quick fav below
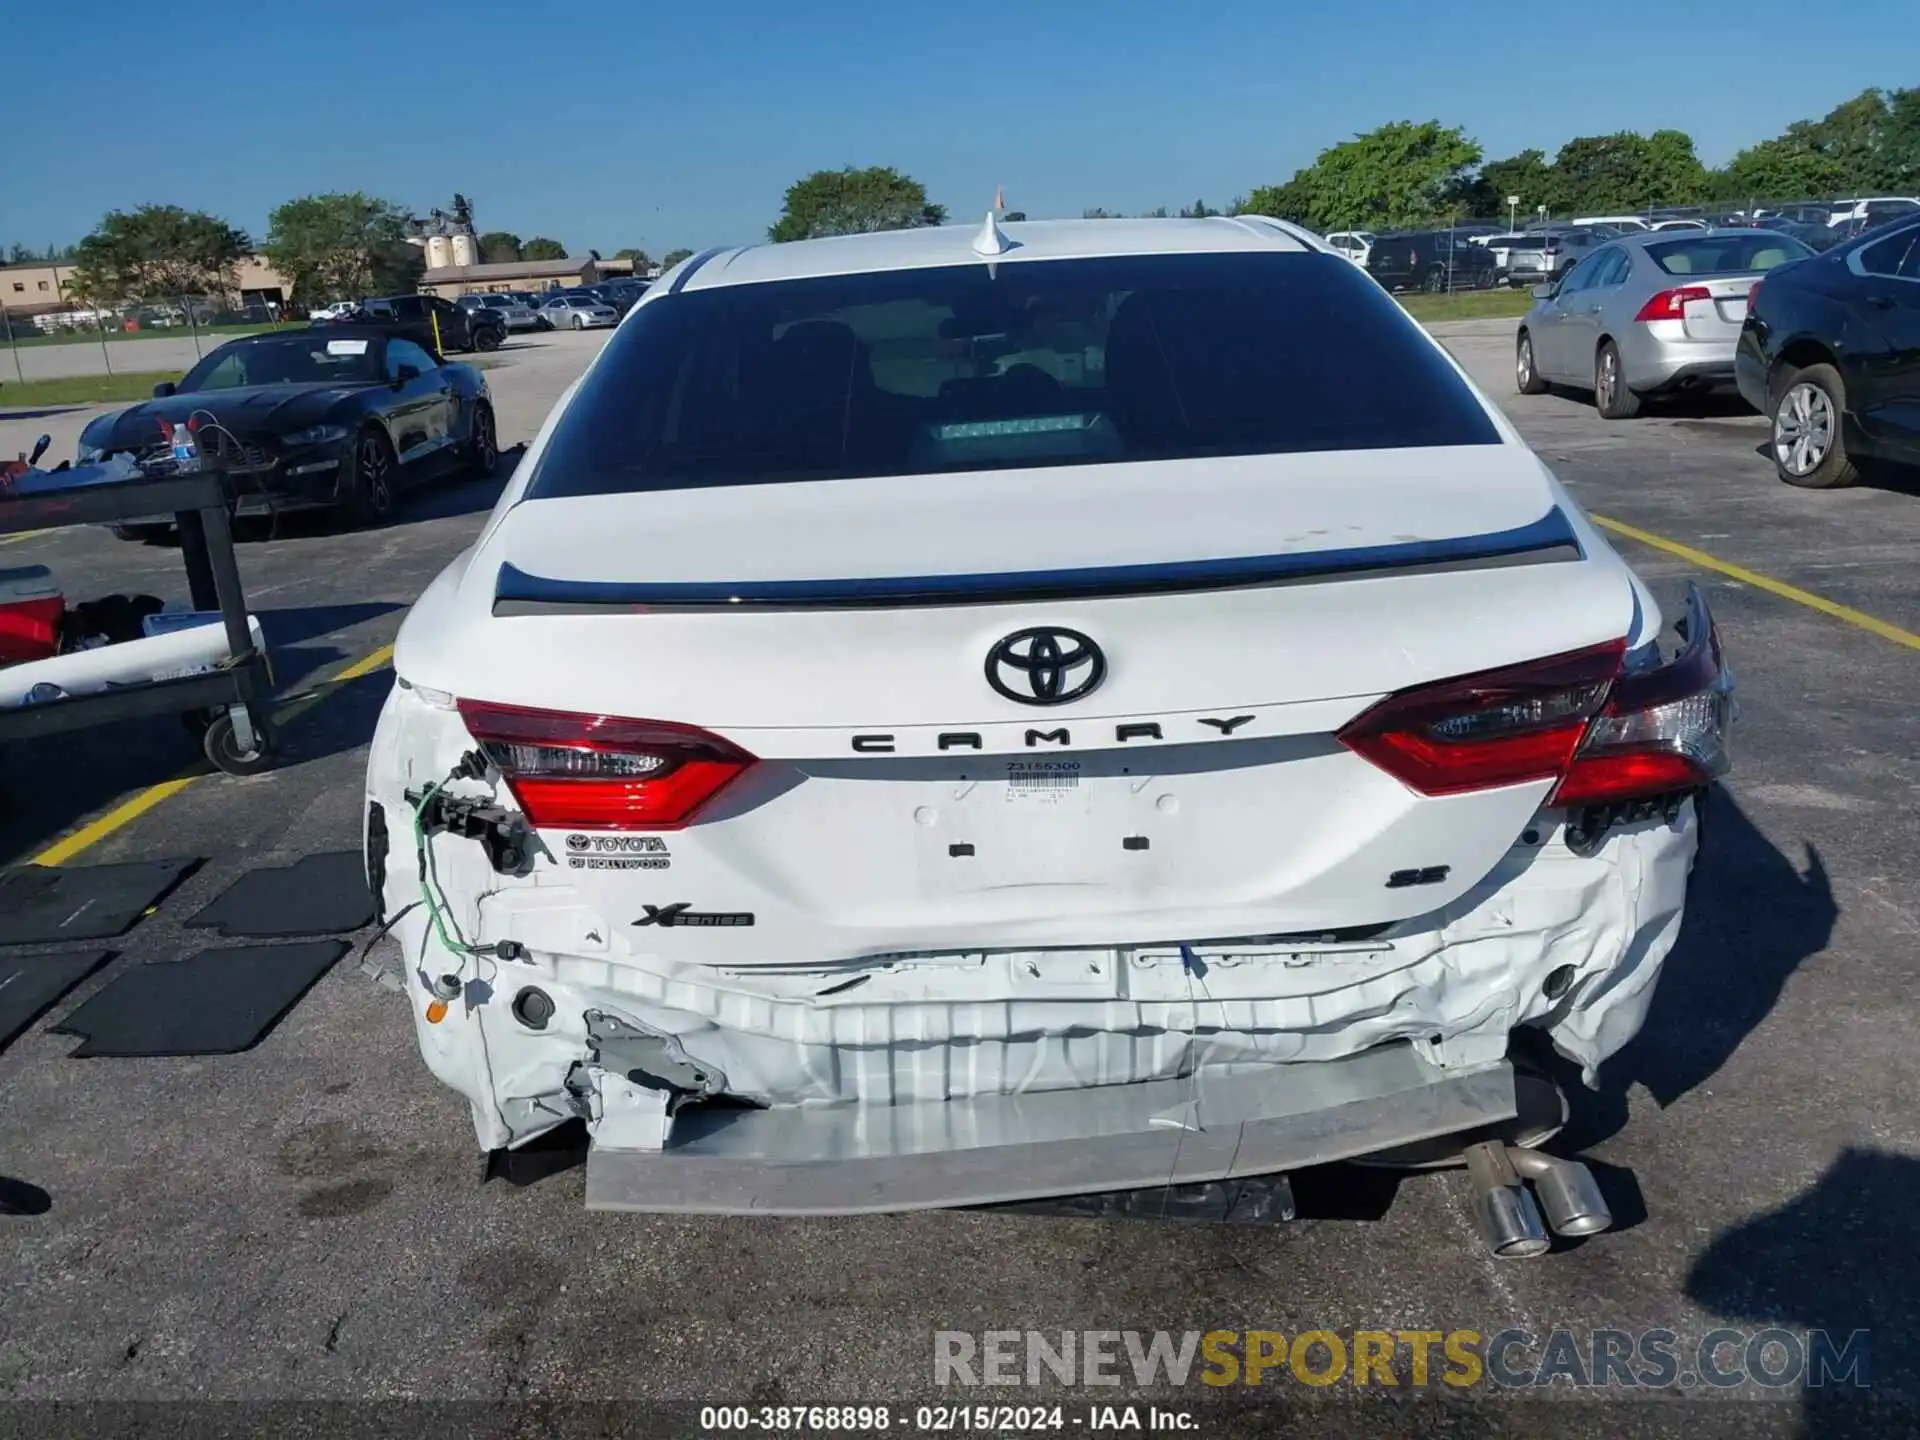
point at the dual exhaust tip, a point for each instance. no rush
(1505, 1211)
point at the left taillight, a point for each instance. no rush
(1605, 731)
(1672, 304)
(603, 772)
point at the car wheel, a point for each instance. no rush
(1526, 374)
(543, 323)
(1611, 395)
(487, 340)
(372, 481)
(483, 451)
(1806, 436)
(579, 322)
(1435, 282)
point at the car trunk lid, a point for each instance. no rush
(1245, 610)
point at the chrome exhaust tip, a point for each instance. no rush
(1567, 1192)
(1508, 1220)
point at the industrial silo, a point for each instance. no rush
(465, 251)
(439, 252)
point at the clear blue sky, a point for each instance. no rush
(680, 125)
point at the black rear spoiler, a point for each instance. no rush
(1548, 539)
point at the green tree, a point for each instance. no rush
(541, 248)
(854, 202)
(1100, 212)
(1900, 143)
(499, 247)
(1290, 201)
(674, 257)
(1527, 175)
(642, 262)
(1403, 173)
(159, 250)
(1199, 210)
(1783, 168)
(338, 246)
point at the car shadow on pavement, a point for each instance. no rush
(1840, 1257)
(297, 637)
(1754, 914)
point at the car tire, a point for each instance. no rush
(1526, 373)
(543, 324)
(487, 340)
(1806, 432)
(1612, 397)
(579, 323)
(483, 450)
(1435, 281)
(372, 483)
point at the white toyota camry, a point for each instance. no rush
(950, 717)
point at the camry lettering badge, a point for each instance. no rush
(1046, 665)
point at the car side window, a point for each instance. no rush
(409, 307)
(1613, 267)
(405, 352)
(1581, 276)
(443, 307)
(1889, 256)
(1910, 267)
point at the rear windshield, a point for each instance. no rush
(1725, 254)
(971, 367)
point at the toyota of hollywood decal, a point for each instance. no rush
(618, 852)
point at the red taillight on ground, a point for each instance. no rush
(1607, 733)
(603, 772)
(1672, 304)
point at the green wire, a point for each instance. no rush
(437, 909)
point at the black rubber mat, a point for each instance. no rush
(30, 983)
(213, 1003)
(39, 903)
(317, 895)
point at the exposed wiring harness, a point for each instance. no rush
(440, 916)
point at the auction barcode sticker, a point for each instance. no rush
(1042, 780)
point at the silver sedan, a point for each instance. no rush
(1647, 314)
(578, 312)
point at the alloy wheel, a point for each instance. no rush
(375, 475)
(1609, 379)
(1803, 429)
(1523, 363)
(486, 446)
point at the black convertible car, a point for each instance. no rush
(317, 417)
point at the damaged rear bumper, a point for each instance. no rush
(910, 1082)
(855, 1160)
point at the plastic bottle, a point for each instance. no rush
(186, 453)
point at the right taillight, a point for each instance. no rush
(1672, 304)
(1607, 732)
(603, 772)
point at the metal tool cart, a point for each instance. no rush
(231, 700)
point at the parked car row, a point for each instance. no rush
(1825, 344)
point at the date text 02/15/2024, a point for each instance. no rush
(939, 1419)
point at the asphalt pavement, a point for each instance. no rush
(307, 1220)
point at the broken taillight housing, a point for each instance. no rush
(1609, 727)
(603, 772)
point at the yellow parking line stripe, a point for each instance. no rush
(136, 805)
(1872, 624)
(365, 665)
(122, 814)
(16, 538)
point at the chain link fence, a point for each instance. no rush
(167, 332)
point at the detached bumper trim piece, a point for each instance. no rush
(853, 1160)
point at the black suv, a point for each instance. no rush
(1431, 260)
(435, 324)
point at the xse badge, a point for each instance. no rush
(674, 917)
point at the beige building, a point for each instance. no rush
(450, 282)
(37, 289)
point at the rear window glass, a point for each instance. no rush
(971, 367)
(1725, 254)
